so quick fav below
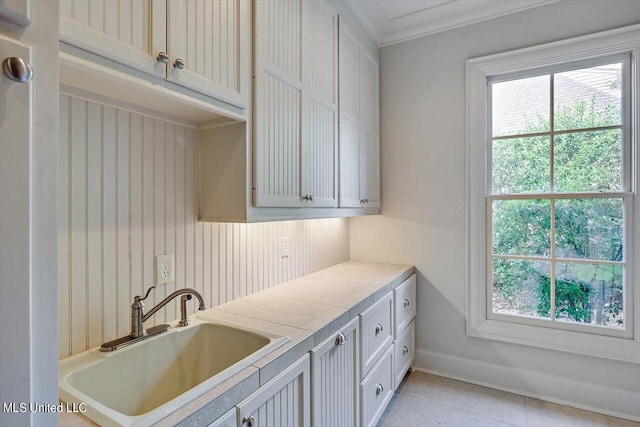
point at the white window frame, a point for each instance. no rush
(625, 347)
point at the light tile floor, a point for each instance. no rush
(426, 400)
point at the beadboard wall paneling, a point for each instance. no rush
(127, 192)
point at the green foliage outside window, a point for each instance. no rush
(584, 228)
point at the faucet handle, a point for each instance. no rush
(137, 297)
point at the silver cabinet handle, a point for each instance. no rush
(379, 328)
(17, 69)
(379, 389)
(341, 339)
(250, 421)
(179, 64)
(406, 303)
(308, 197)
(405, 350)
(162, 58)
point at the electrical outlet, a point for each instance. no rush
(284, 247)
(164, 269)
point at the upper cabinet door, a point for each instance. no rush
(208, 46)
(370, 102)
(132, 32)
(277, 103)
(350, 122)
(319, 104)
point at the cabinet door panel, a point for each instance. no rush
(349, 163)
(277, 103)
(320, 118)
(370, 166)
(369, 90)
(349, 74)
(282, 402)
(335, 369)
(131, 32)
(208, 36)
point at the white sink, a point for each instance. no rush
(141, 384)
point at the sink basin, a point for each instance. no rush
(141, 384)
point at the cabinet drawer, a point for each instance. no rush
(376, 390)
(404, 297)
(404, 352)
(375, 332)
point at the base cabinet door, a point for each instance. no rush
(335, 372)
(282, 402)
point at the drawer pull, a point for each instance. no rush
(406, 303)
(179, 64)
(379, 389)
(405, 350)
(341, 339)
(250, 421)
(379, 328)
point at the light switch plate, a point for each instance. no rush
(164, 269)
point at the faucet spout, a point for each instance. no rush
(179, 292)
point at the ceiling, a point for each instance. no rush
(393, 21)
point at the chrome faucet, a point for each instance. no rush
(138, 317)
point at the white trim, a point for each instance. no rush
(607, 400)
(477, 70)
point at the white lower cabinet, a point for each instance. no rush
(335, 378)
(282, 402)
(376, 390)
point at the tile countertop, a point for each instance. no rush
(307, 310)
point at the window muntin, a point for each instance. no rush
(560, 172)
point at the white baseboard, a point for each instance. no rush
(566, 391)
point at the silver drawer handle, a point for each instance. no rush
(406, 303)
(341, 339)
(378, 328)
(17, 69)
(250, 422)
(379, 389)
(179, 64)
(162, 58)
(405, 350)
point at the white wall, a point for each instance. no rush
(423, 199)
(127, 191)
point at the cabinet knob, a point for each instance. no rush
(379, 328)
(405, 350)
(179, 64)
(366, 201)
(249, 421)
(379, 389)
(406, 303)
(17, 69)
(341, 339)
(162, 58)
(308, 198)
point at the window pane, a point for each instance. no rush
(590, 293)
(586, 98)
(588, 161)
(521, 106)
(589, 229)
(521, 287)
(521, 165)
(521, 227)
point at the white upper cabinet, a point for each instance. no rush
(195, 44)
(295, 104)
(359, 124)
(207, 38)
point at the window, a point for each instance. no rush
(552, 152)
(558, 196)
